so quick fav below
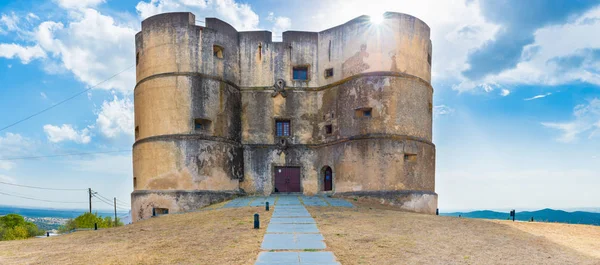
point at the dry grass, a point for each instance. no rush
(583, 238)
(380, 236)
(223, 236)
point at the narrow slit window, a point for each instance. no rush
(202, 124)
(429, 58)
(328, 129)
(218, 51)
(282, 128)
(329, 51)
(300, 73)
(260, 50)
(137, 132)
(430, 107)
(137, 58)
(134, 182)
(410, 157)
(328, 72)
(363, 112)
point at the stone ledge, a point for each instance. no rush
(409, 200)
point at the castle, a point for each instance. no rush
(220, 113)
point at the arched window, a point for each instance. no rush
(327, 178)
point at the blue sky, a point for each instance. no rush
(517, 93)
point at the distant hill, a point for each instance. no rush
(545, 215)
(56, 213)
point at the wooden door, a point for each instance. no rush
(287, 179)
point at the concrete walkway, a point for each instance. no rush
(292, 235)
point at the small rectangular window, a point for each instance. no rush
(328, 129)
(363, 112)
(410, 157)
(137, 58)
(218, 51)
(159, 211)
(300, 72)
(134, 182)
(202, 124)
(328, 72)
(282, 128)
(137, 132)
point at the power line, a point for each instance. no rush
(71, 154)
(102, 200)
(40, 188)
(64, 100)
(35, 199)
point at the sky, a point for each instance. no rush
(516, 101)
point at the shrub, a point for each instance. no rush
(87, 220)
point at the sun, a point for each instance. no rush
(376, 18)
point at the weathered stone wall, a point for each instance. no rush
(385, 68)
(179, 81)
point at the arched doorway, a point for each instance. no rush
(327, 179)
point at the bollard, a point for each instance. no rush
(256, 221)
(532, 219)
(267, 206)
(437, 211)
(95, 226)
(47, 234)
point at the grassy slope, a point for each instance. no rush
(195, 238)
(356, 236)
(379, 236)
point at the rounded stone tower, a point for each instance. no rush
(187, 151)
(219, 113)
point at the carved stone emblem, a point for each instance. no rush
(279, 88)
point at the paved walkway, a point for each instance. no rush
(292, 235)
(288, 200)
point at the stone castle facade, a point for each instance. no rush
(220, 113)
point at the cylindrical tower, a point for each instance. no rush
(187, 150)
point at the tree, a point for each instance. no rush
(14, 226)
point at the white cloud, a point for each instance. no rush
(442, 110)
(8, 179)
(116, 117)
(10, 22)
(25, 53)
(505, 92)
(539, 96)
(66, 132)
(238, 15)
(93, 47)
(12, 144)
(74, 4)
(587, 119)
(546, 60)
(43, 95)
(280, 24)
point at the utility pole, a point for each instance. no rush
(115, 211)
(90, 193)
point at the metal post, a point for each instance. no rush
(267, 206)
(115, 211)
(437, 211)
(47, 234)
(95, 226)
(90, 193)
(256, 221)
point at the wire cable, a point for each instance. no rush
(64, 100)
(111, 204)
(59, 155)
(29, 198)
(40, 188)
(107, 199)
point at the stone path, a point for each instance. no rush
(287, 200)
(292, 235)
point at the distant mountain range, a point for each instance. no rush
(545, 215)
